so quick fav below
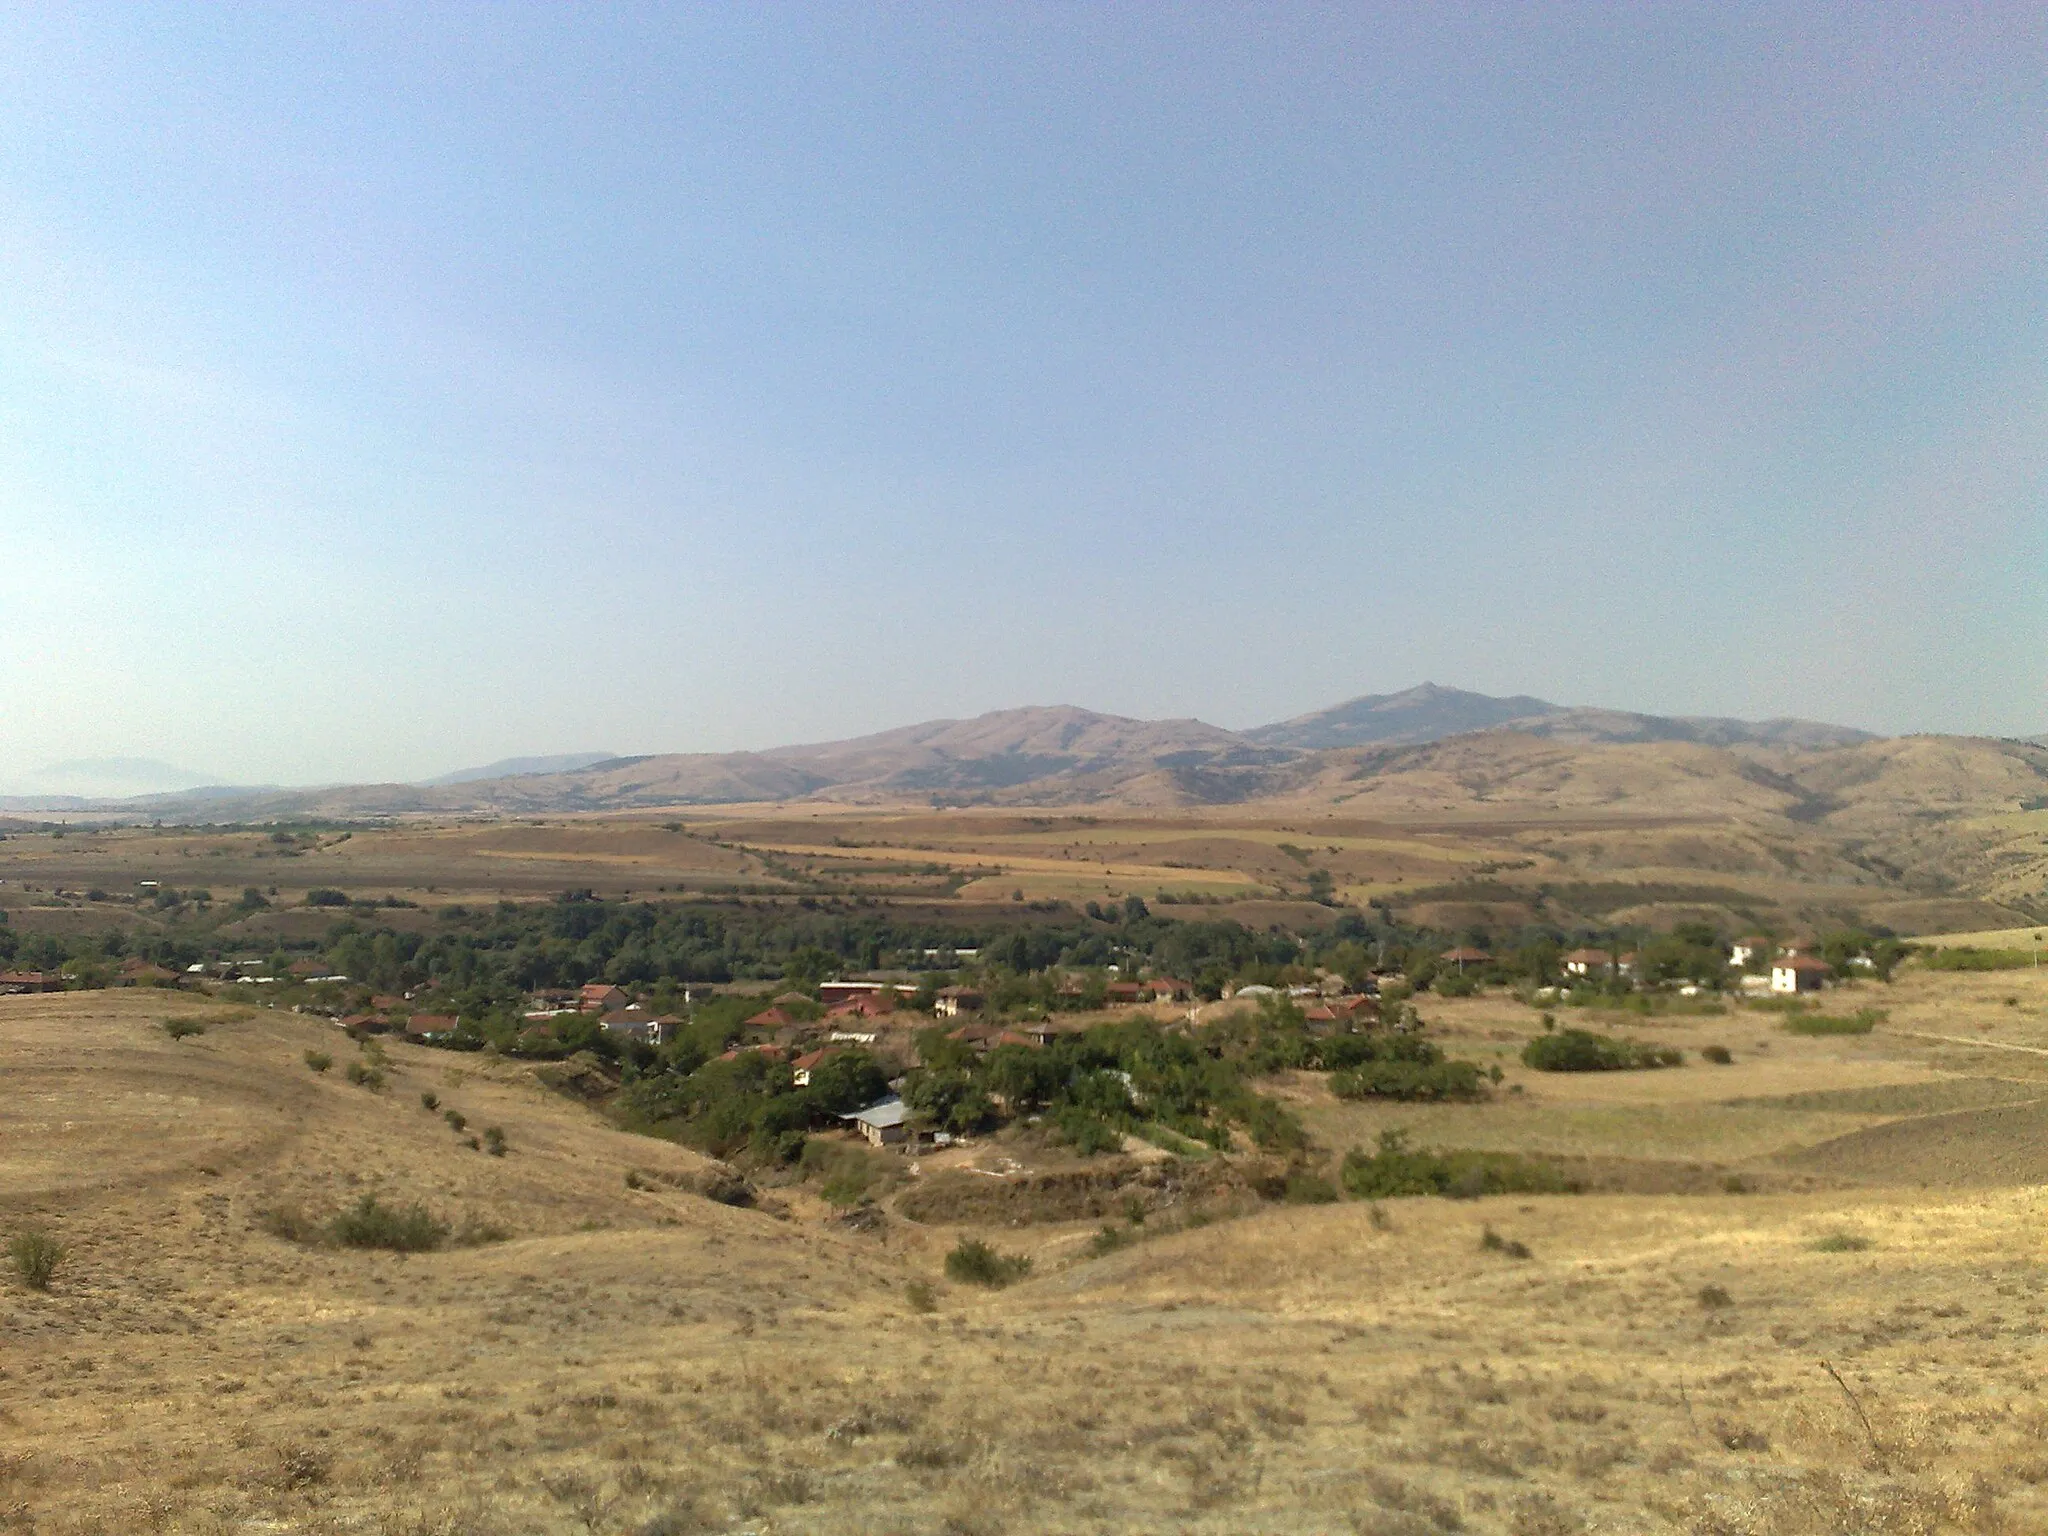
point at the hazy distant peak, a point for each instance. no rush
(515, 767)
(113, 777)
(1419, 714)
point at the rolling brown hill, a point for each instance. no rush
(1587, 794)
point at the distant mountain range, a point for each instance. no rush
(1430, 713)
(514, 767)
(110, 778)
(1040, 755)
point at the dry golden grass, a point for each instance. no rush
(646, 1361)
(1261, 853)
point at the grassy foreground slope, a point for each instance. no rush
(648, 1361)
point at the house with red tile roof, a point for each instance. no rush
(1588, 962)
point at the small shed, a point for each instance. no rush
(885, 1124)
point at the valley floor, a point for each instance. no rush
(1849, 1356)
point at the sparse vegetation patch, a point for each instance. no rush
(1861, 1022)
(370, 1223)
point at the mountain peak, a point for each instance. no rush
(1425, 712)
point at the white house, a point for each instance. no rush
(1799, 973)
(1744, 952)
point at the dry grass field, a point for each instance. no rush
(645, 1360)
(1255, 864)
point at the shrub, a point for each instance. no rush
(1407, 1080)
(291, 1224)
(1714, 1298)
(1088, 1134)
(494, 1141)
(319, 1061)
(974, 1262)
(1310, 1189)
(1861, 1022)
(184, 1027)
(1580, 1050)
(371, 1078)
(371, 1224)
(921, 1297)
(326, 896)
(36, 1255)
(456, 1120)
(430, 1102)
(1491, 1241)
(1108, 1239)
(1719, 1055)
(1841, 1242)
(1398, 1169)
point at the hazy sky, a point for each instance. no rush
(384, 390)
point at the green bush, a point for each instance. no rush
(36, 1255)
(430, 1102)
(371, 1224)
(1399, 1169)
(494, 1141)
(1719, 1055)
(974, 1262)
(1408, 1080)
(371, 1078)
(1861, 1022)
(319, 1061)
(921, 1297)
(184, 1027)
(457, 1121)
(1841, 1242)
(1580, 1050)
(1086, 1133)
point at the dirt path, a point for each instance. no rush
(1989, 1045)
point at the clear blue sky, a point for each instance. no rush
(385, 389)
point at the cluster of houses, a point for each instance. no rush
(132, 972)
(1793, 968)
